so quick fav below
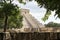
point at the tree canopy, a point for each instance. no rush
(52, 24)
(50, 5)
(10, 15)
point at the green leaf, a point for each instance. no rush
(48, 13)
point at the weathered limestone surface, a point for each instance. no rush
(43, 29)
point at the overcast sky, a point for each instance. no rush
(37, 12)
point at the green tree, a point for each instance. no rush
(8, 10)
(50, 5)
(52, 24)
(15, 22)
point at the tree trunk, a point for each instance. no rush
(5, 27)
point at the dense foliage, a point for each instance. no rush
(50, 5)
(52, 24)
(10, 16)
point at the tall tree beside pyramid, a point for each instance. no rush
(10, 15)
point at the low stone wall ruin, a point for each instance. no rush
(32, 36)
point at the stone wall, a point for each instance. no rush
(33, 36)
